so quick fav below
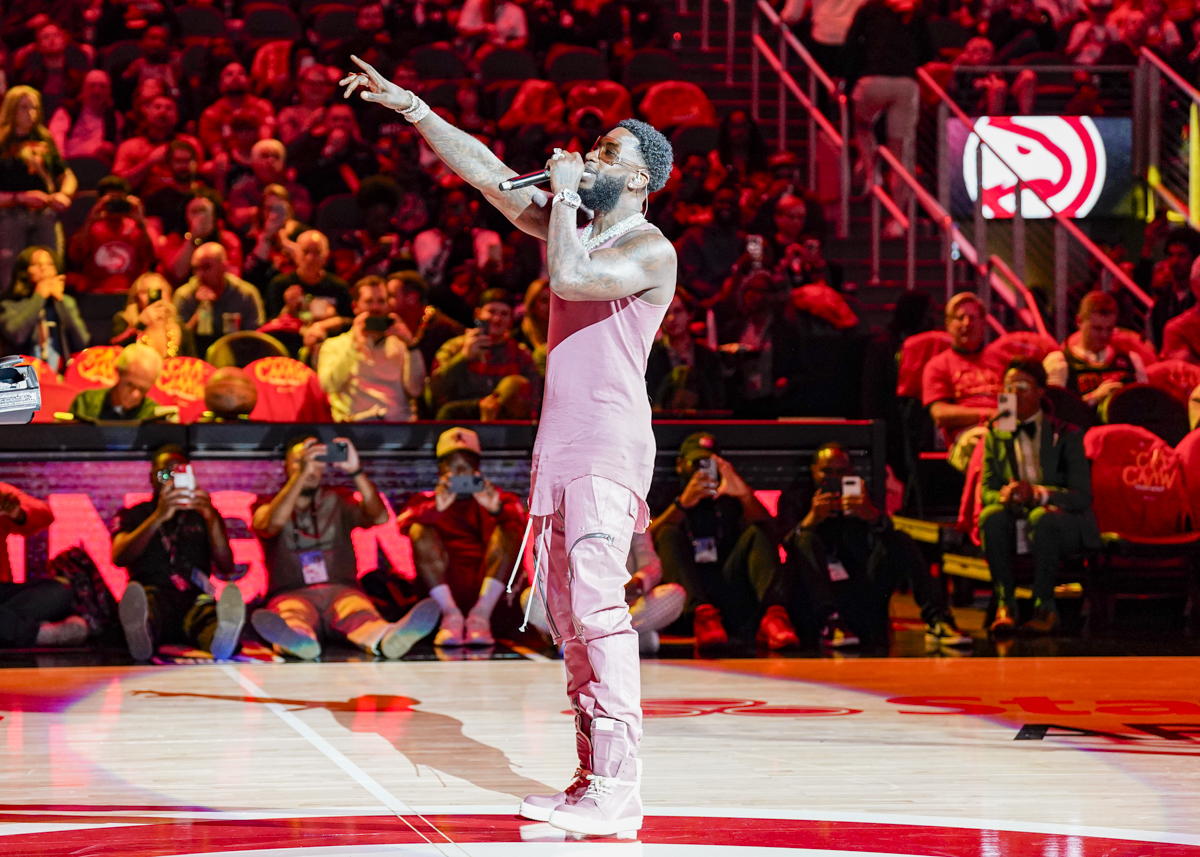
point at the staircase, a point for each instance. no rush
(707, 70)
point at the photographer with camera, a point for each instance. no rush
(312, 574)
(171, 544)
(38, 318)
(718, 541)
(112, 248)
(844, 556)
(371, 372)
(465, 536)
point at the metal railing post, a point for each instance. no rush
(985, 292)
(948, 255)
(1193, 163)
(705, 14)
(781, 136)
(943, 156)
(730, 23)
(844, 171)
(754, 111)
(1060, 282)
(1140, 94)
(911, 250)
(875, 224)
(812, 132)
(981, 245)
(1018, 233)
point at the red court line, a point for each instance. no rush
(187, 837)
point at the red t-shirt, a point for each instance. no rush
(112, 254)
(972, 380)
(1181, 337)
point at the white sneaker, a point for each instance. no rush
(612, 804)
(451, 632)
(479, 631)
(135, 622)
(540, 807)
(415, 626)
(231, 616)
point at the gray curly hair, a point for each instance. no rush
(656, 151)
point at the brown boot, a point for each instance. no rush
(1004, 624)
(1044, 623)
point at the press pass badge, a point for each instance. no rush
(1022, 538)
(312, 565)
(705, 549)
(20, 394)
(837, 571)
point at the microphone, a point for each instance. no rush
(518, 182)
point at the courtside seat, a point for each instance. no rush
(181, 383)
(93, 368)
(1188, 451)
(288, 392)
(1147, 407)
(243, 348)
(1142, 507)
(1177, 377)
(1025, 344)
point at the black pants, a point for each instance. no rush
(187, 617)
(874, 569)
(741, 586)
(25, 606)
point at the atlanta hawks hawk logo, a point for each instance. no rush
(1061, 157)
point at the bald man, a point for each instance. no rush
(215, 302)
(312, 254)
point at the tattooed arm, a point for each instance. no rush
(640, 263)
(528, 208)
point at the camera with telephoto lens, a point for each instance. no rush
(20, 394)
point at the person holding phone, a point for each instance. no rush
(150, 317)
(1037, 498)
(372, 372)
(845, 559)
(719, 542)
(312, 575)
(465, 535)
(37, 317)
(172, 545)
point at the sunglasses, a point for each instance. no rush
(609, 151)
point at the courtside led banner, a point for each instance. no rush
(1081, 165)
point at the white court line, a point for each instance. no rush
(397, 806)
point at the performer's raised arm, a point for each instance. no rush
(528, 208)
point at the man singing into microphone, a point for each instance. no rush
(594, 455)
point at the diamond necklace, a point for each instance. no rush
(614, 231)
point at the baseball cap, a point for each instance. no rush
(452, 440)
(699, 445)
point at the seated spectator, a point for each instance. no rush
(762, 347)
(158, 61)
(708, 253)
(717, 540)
(272, 238)
(653, 606)
(38, 318)
(142, 160)
(205, 224)
(36, 184)
(331, 158)
(37, 613)
(126, 401)
(229, 396)
(1169, 280)
(456, 241)
(1092, 36)
(1095, 368)
(315, 87)
(312, 255)
(89, 126)
(48, 69)
(375, 248)
(789, 217)
(215, 128)
(988, 94)
(431, 327)
(268, 167)
(804, 263)
(741, 148)
(167, 197)
(681, 373)
(687, 199)
(312, 575)
(501, 24)
(1133, 38)
(150, 317)
(457, 548)
(1162, 36)
(371, 372)
(1020, 27)
(233, 163)
(845, 556)
(1181, 335)
(485, 374)
(112, 248)
(1037, 498)
(214, 302)
(171, 544)
(960, 385)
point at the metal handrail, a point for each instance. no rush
(796, 45)
(1172, 75)
(1062, 219)
(1190, 210)
(1033, 316)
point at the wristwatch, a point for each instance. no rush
(568, 198)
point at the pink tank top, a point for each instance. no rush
(596, 413)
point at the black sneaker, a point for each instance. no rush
(944, 632)
(837, 634)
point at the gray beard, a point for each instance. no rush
(603, 196)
